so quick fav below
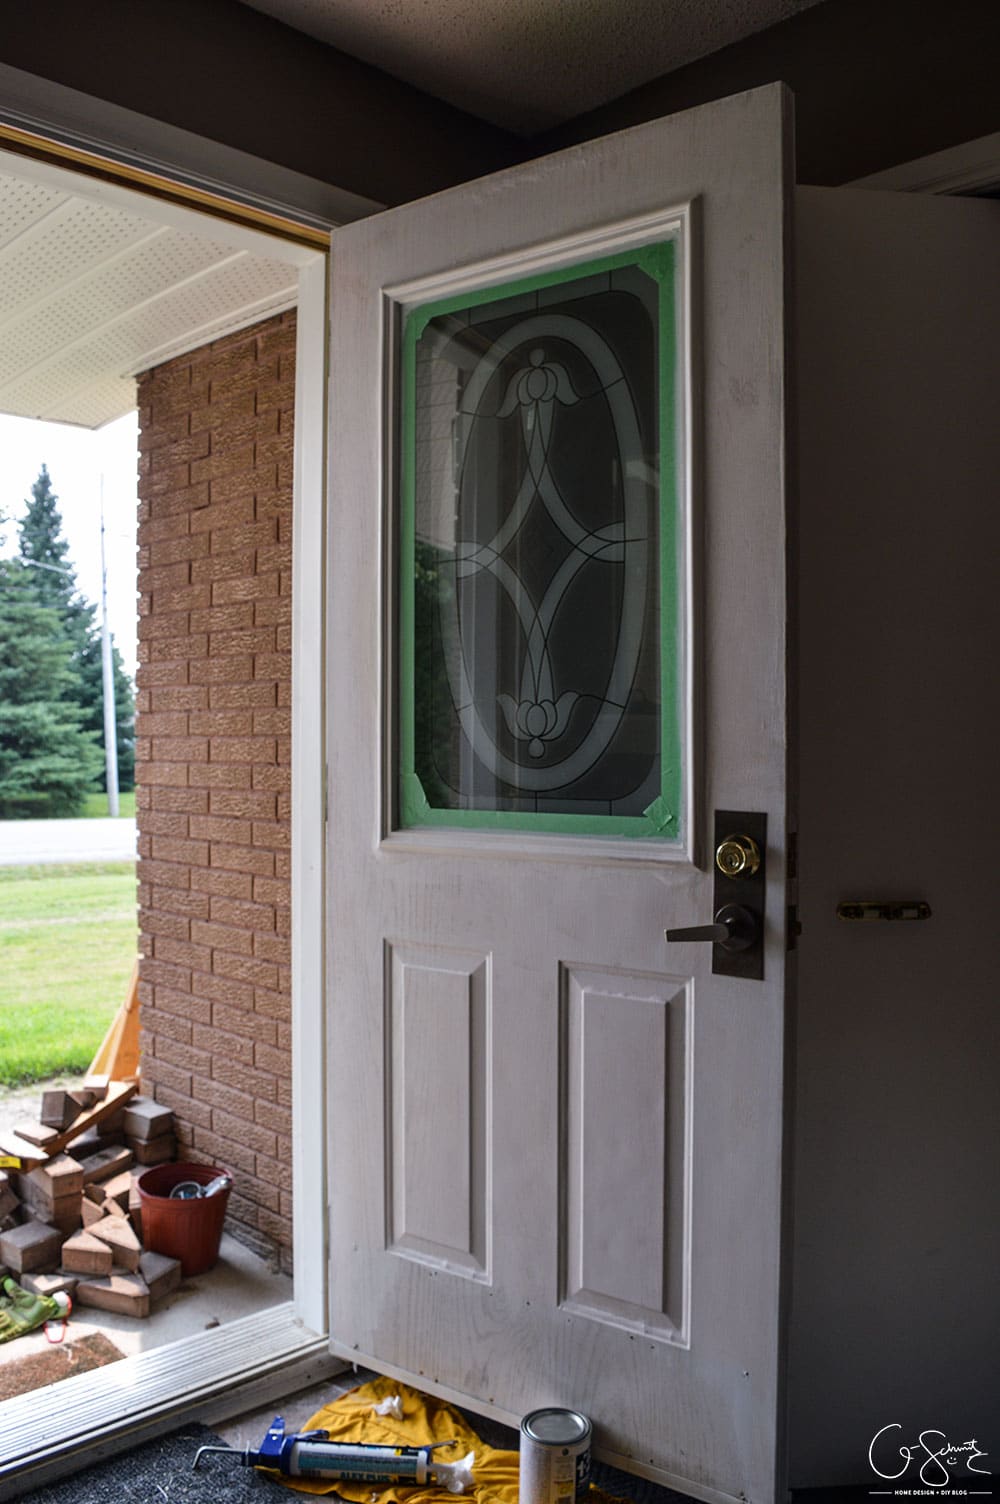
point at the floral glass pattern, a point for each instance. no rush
(538, 570)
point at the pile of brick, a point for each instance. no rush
(71, 1217)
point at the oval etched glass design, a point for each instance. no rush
(533, 573)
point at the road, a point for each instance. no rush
(30, 842)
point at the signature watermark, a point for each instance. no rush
(930, 1466)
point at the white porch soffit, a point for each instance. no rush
(93, 291)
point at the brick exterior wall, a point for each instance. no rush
(212, 761)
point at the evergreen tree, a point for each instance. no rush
(41, 544)
(47, 761)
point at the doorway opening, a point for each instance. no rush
(214, 332)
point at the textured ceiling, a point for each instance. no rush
(94, 289)
(529, 64)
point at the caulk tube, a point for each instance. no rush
(303, 1457)
(311, 1454)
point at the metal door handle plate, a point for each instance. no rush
(736, 934)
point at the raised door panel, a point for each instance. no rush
(626, 1170)
(438, 1086)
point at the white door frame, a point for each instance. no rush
(308, 819)
(283, 1348)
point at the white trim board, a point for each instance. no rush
(972, 167)
(309, 1177)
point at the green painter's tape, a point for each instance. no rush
(660, 816)
(659, 819)
(414, 812)
(414, 807)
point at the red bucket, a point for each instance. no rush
(189, 1230)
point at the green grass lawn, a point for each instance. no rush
(95, 806)
(68, 939)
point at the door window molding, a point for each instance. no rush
(563, 256)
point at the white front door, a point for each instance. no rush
(556, 648)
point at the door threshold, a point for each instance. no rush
(51, 1432)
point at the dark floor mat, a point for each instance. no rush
(160, 1472)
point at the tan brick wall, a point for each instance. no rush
(212, 761)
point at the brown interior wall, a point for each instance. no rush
(240, 78)
(876, 82)
(895, 1301)
(212, 761)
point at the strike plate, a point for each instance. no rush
(867, 910)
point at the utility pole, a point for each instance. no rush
(108, 680)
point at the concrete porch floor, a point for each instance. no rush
(239, 1285)
(248, 1430)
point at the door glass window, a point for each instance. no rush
(538, 600)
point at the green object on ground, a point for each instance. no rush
(68, 941)
(21, 1311)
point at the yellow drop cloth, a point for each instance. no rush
(352, 1418)
(425, 1420)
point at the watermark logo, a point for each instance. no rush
(930, 1466)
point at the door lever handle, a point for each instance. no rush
(717, 933)
(735, 928)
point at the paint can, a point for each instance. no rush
(555, 1456)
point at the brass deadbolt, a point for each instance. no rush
(738, 856)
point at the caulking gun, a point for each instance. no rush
(311, 1454)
